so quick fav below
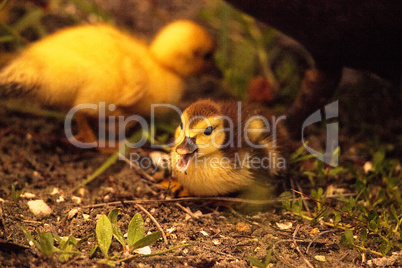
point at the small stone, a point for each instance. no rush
(171, 230)
(39, 208)
(60, 199)
(216, 242)
(55, 191)
(368, 166)
(76, 199)
(28, 195)
(284, 225)
(143, 251)
(243, 227)
(320, 258)
(204, 233)
(73, 212)
(82, 191)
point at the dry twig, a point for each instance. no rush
(298, 249)
(316, 237)
(155, 221)
(197, 198)
(188, 211)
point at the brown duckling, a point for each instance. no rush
(226, 147)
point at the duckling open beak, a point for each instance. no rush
(187, 151)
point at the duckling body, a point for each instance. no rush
(98, 63)
(226, 147)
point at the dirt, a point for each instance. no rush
(35, 157)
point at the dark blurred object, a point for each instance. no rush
(260, 90)
(360, 34)
(41, 3)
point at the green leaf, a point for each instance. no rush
(146, 241)
(136, 230)
(298, 153)
(268, 257)
(66, 256)
(59, 240)
(385, 247)
(338, 217)
(297, 206)
(256, 262)
(336, 170)
(104, 234)
(113, 215)
(92, 251)
(363, 236)
(72, 240)
(286, 204)
(46, 243)
(378, 160)
(14, 194)
(373, 225)
(347, 238)
(393, 211)
(116, 230)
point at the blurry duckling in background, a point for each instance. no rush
(98, 63)
(225, 148)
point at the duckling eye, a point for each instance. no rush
(181, 125)
(208, 56)
(208, 131)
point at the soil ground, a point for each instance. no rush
(36, 158)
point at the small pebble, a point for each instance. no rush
(81, 191)
(204, 233)
(72, 213)
(216, 242)
(55, 191)
(39, 208)
(28, 195)
(243, 227)
(144, 251)
(284, 225)
(320, 258)
(76, 199)
(315, 231)
(368, 166)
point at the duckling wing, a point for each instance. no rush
(134, 85)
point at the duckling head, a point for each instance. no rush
(201, 133)
(184, 47)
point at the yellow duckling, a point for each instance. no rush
(226, 147)
(98, 63)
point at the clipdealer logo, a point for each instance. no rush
(330, 156)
